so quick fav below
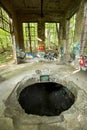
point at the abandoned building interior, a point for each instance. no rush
(36, 18)
(44, 85)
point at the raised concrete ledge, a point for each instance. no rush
(73, 119)
(6, 123)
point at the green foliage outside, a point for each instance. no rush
(51, 36)
(6, 53)
(31, 35)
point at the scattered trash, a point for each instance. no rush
(40, 54)
(29, 56)
(51, 56)
(20, 54)
(83, 63)
(41, 47)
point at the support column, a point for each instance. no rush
(80, 27)
(17, 38)
(20, 35)
(83, 48)
(41, 34)
(62, 37)
(64, 40)
(67, 35)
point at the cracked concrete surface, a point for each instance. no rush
(11, 74)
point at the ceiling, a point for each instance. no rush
(50, 10)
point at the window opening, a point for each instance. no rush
(6, 50)
(4, 20)
(51, 36)
(30, 37)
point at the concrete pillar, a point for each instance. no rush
(79, 24)
(60, 34)
(64, 29)
(17, 37)
(83, 48)
(67, 35)
(20, 35)
(62, 37)
(64, 40)
(41, 33)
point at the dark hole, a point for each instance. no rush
(47, 98)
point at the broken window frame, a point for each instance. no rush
(4, 21)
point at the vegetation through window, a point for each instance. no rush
(6, 51)
(30, 36)
(51, 36)
(4, 20)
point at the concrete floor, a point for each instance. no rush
(11, 74)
